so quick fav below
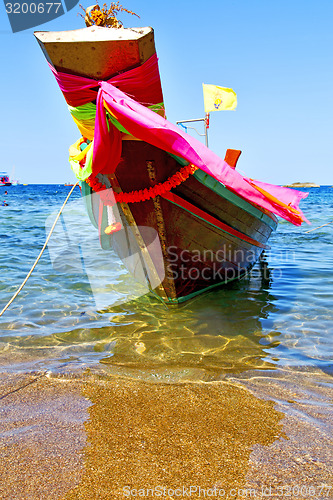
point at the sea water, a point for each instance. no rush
(81, 315)
(281, 319)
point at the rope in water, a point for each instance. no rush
(319, 227)
(40, 253)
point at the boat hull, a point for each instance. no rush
(207, 236)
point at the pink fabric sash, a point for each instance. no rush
(148, 126)
(143, 84)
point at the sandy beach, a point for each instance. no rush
(112, 437)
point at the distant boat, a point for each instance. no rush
(4, 179)
(68, 184)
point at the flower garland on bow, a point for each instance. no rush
(109, 197)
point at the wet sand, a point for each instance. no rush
(100, 437)
(41, 436)
(304, 459)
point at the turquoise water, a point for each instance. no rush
(62, 321)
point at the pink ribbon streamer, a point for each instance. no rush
(148, 126)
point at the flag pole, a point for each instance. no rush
(206, 128)
(205, 122)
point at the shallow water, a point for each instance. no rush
(61, 318)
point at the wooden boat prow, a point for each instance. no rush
(97, 52)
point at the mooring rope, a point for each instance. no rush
(319, 227)
(40, 253)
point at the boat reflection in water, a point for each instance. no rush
(206, 337)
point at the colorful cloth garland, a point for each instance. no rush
(109, 197)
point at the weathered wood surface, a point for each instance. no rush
(97, 52)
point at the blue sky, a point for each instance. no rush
(277, 56)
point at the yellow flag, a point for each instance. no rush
(218, 98)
